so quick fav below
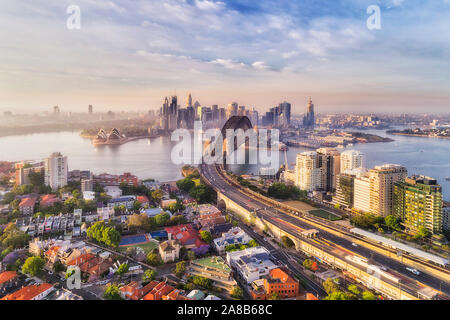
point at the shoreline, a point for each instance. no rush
(417, 135)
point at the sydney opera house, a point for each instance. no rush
(112, 138)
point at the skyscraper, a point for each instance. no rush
(285, 108)
(189, 101)
(232, 110)
(308, 119)
(56, 170)
(307, 173)
(351, 159)
(382, 179)
(90, 109)
(418, 203)
(329, 161)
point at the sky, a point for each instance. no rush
(129, 55)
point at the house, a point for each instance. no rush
(48, 200)
(215, 269)
(209, 216)
(8, 279)
(252, 263)
(135, 291)
(196, 295)
(158, 291)
(188, 237)
(113, 191)
(127, 201)
(277, 282)
(143, 200)
(89, 195)
(169, 250)
(175, 295)
(151, 212)
(33, 292)
(26, 206)
(234, 236)
(167, 203)
(105, 213)
(81, 259)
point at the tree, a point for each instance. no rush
(202, 193)
(102, 233)
(185, 184)
(392, 222)
(149, 275)
(154, 259)
(33, 266)
(422, 232)
(202, 282)
(122, 269)
(191, 255)
(330, 286)
(157, 195)
(58, 267)
(112, 292)
(353, 289)
(13, 237)
(162, 218)
(237, 293)
(206, 236)
(180, 268)
(235, 223)
(367, 295)
(253, 243)
(338, 295)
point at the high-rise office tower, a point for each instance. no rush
(90, 109)
(285, 108)
(344, 190)
(351, 159)
(418, 203)
(241, 111)
(189, 101)
(56, 110)
(382, 179)
(307, 173)
(308, 119)
(329, 161)
(232, 110)
(56, 170)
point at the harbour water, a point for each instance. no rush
(151, 158)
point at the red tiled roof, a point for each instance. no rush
(29, 292)
(186, 234)
(135, 291)
(27, 202)
(48, 199)
(81, 259)
(142, 199)
(7, 276)
(160, 290)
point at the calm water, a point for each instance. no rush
(151, 158)
(427, 156)
(145, 158)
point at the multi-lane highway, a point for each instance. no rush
(274, 216)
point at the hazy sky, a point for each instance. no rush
(130, 54)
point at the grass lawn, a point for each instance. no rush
(147, 247)
(325, 214)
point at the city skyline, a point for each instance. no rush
(127, 56)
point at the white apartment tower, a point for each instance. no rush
(56, 171)
(307, 174)
(351, 159)
(382, 179)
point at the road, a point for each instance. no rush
(251, 204)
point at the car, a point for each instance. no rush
(354, 244)
(412, 270)
(50, 273)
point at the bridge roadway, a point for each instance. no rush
(251, 204)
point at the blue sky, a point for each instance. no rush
(130, 54)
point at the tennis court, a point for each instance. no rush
(131, 240)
